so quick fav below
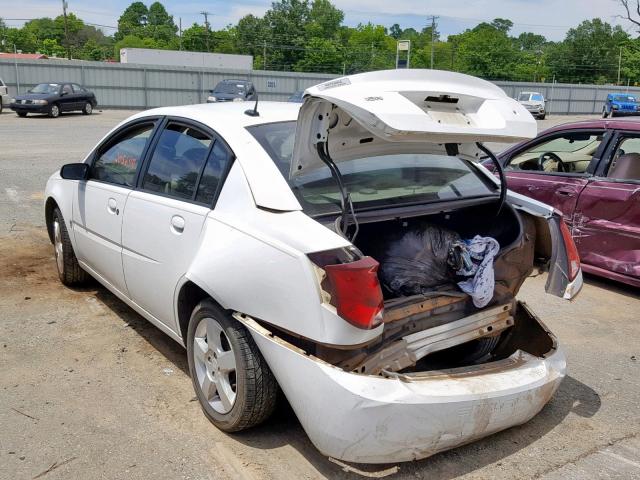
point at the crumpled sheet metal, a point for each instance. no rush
(367, 419)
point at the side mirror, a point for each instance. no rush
(75, 171)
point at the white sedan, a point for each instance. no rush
(277, 243)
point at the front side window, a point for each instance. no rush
(76, 88)
(376, 180)
(118, 161)
(568, 153)
(66, 89)
(626, 160)
(177, 161)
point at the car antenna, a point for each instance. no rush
(254, 112)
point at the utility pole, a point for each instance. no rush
(66, 30)
(433, 36)
(206, 26)
(180, 30)
(619, 65)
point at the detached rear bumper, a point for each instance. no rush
(372, 419)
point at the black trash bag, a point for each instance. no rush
(417, 262)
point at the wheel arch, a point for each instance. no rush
(189, 295)
(49, 206)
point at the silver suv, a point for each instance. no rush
(534, 102)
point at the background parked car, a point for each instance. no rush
(5, 99)
(54, 98)
(620, 104)
(590, 171)
(296, 97)
(232, 91)
(534, 102)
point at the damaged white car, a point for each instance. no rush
(349, 250)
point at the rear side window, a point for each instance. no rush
(216, 166)
(177, 161)
(77, 88)
(118, 161)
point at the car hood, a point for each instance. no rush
(34, 96)
(531, 103)
(227, 96)
(388, 111)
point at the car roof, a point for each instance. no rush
(232, 80)
(531, 93)
(612, 124)
(226, 117)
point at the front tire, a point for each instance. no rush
(69, 271)
(22, 114)
(88, 109)
(604, 113)
(231, 378)
(54, 111)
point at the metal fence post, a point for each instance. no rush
(82, 82)
(595, 99)
(569, 100)
(144, 86)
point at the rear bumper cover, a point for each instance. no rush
(372, 419)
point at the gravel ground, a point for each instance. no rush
(89, 389)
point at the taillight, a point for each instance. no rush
(573, 259)
(355, 291)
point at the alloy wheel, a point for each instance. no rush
(58, 247)
(215, 365)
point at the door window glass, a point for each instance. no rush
(76, 88)
(569, 153)
(177, 161)
(66, 89)
(216, 166)
(119, 160)
(626, 160)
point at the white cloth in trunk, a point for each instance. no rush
(481, 286)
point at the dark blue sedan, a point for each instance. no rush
(618, 104)
(54, 98)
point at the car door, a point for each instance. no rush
(164, 217)
(607, 218)
(67, 98)
(99, 203)
(555, 167)
(79, 96)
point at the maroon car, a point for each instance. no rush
(590, 171)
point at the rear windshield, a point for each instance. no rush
(228, 87)
(375, 181)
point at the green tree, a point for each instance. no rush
(160, 25)
(321, 55)
(369, 48)
(324, 20)
(286, 23)
(132, 21)
(589, 53)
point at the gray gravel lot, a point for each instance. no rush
(90, 390)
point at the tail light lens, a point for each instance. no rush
(573, 258)
(352, 284)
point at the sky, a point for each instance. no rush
(551, 18)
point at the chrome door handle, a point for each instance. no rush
(532, 188)
(177, 224)
(112, 206)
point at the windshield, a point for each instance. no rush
(374, 181)
(536, 97)
(45, 88)
(228, 87)
(523, 97)
(624, 98)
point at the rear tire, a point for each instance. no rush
(231, 378)
(88, 108)
(54, 111)
(69, 271)
(22, 114)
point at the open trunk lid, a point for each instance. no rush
(394, 110)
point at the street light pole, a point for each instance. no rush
(66, 30)
(433, 36)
